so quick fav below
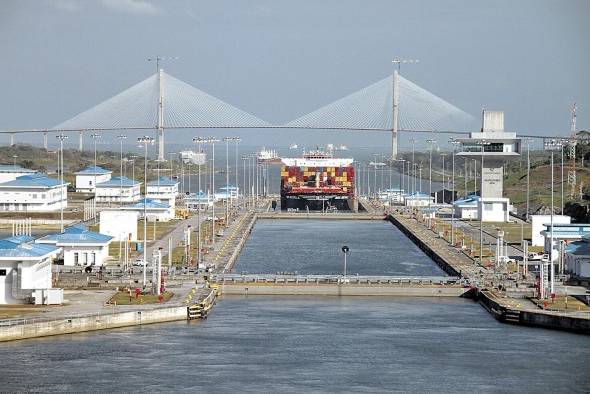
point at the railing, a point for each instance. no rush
(331, 279)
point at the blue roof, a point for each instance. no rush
(13, 168)
(13, 247)
(33, 180)
(118, 181)
(471, 199)
(149, 204)
(76, 234)
(92, 170)
(229, 187)
(578, 247)
(163, 181)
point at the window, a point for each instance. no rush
(93, 258)
(34, 195)
(2, 272)
(76, 257)
(488, 207)
(85, 258)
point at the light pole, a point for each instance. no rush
(430, 142)
(482, 144)
(14, 157)
(228, 195)
(454, 143)
(552, 145)
(60, 164)
(528, 172)
(95, 137)
(413, 141)
(345, 250)
(465, 175)
(198, 199)
(211, 141)
(121, 138)
(443, 155)
(145, 140)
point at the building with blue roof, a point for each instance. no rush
(467, 207)
(164, 189)
(118, 189)
(25, 272)
(9, 172)
(34, 192)
(577, 258)
(195, 200)
(90, 176)
(154, 210)
(80, 246)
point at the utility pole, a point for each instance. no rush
(571, 175)
(121, 138)
(528, 173)
(145, 140)
(60, 164)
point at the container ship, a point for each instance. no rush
(318, 181)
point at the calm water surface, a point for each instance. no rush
(313, 247)
(301, 344)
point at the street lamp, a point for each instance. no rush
(345, 250)
(60, 164)
(443, 155)
(454, 143)
(145, 140)
(211, 141)
(552, 145)
(482, 144)
(228, 196)
(528, 171)
(95, 137)
(430, 142)
(121, 138)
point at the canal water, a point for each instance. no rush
(308, 344)
(308, 246)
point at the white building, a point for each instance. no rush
(90, 176)
(33, 193)
(80, 246)
(391, 196)
(119, 224)
(418, 200)
(164, 190)
(494, 146)
(467, 208)
(539, 224)
(566, 232)
(577, 258)
(154, 210)
(9, 172)
(194, 200)
(118, 189)
(232, 191)
(25, 272)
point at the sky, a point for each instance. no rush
(280, 59)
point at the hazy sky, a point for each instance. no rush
(280, 59)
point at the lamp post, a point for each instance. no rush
(95, 137)
(528, 172)
(345, 250)
(552, 145)
(413, 141)
(443, 155)
(430, 142)
(60, 163)
(211, 141)
(121, 138)
(145, 141)
(227, 192)
(465, 175)
(14, 157)
(482, 144)
(454, 143)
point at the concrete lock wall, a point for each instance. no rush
(90, 323)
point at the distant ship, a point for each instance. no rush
(268, 156)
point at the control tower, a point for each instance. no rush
(495, 145)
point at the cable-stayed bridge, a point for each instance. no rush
(162, 102)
